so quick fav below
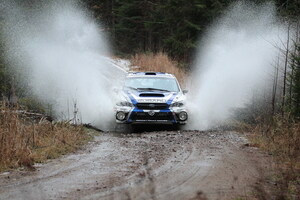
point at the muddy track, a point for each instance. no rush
(154, 165)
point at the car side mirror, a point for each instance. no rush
(185, 91)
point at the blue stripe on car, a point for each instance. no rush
(171, 99)
(134, 102)
(131, 98)
(136, 110)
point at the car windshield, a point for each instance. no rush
(152, 83)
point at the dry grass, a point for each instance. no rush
(24, 142)
(281, 138)
(159, 62)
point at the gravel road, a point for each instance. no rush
(154, 165)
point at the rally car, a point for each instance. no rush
(151, 98)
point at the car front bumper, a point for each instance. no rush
(139, 116)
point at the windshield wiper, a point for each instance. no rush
(153, 89)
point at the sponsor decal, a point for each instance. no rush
(151, 100)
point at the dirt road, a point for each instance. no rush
(155, 165)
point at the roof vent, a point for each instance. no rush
(150, 73)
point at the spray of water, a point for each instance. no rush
(234, 59)
(62, 53)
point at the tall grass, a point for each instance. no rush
(281, 138)
(24, 141)
(159, 62)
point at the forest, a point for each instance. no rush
(174, 28)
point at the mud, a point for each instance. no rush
(153, 165)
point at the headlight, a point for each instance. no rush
(183, 116)
(125, 103)
(177, 104)
(120, 115)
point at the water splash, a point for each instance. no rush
(62, 53)
(235, 59)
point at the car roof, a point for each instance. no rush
(150, 74)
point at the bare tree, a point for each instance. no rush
(275, 84)
(285, 69)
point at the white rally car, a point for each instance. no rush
(151, 98)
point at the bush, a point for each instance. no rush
(281, 138)
(24, 141)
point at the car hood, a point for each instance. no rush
(152, 96)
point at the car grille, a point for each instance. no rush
(157, 116)
(152, 106)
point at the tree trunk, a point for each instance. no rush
(285, 70)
